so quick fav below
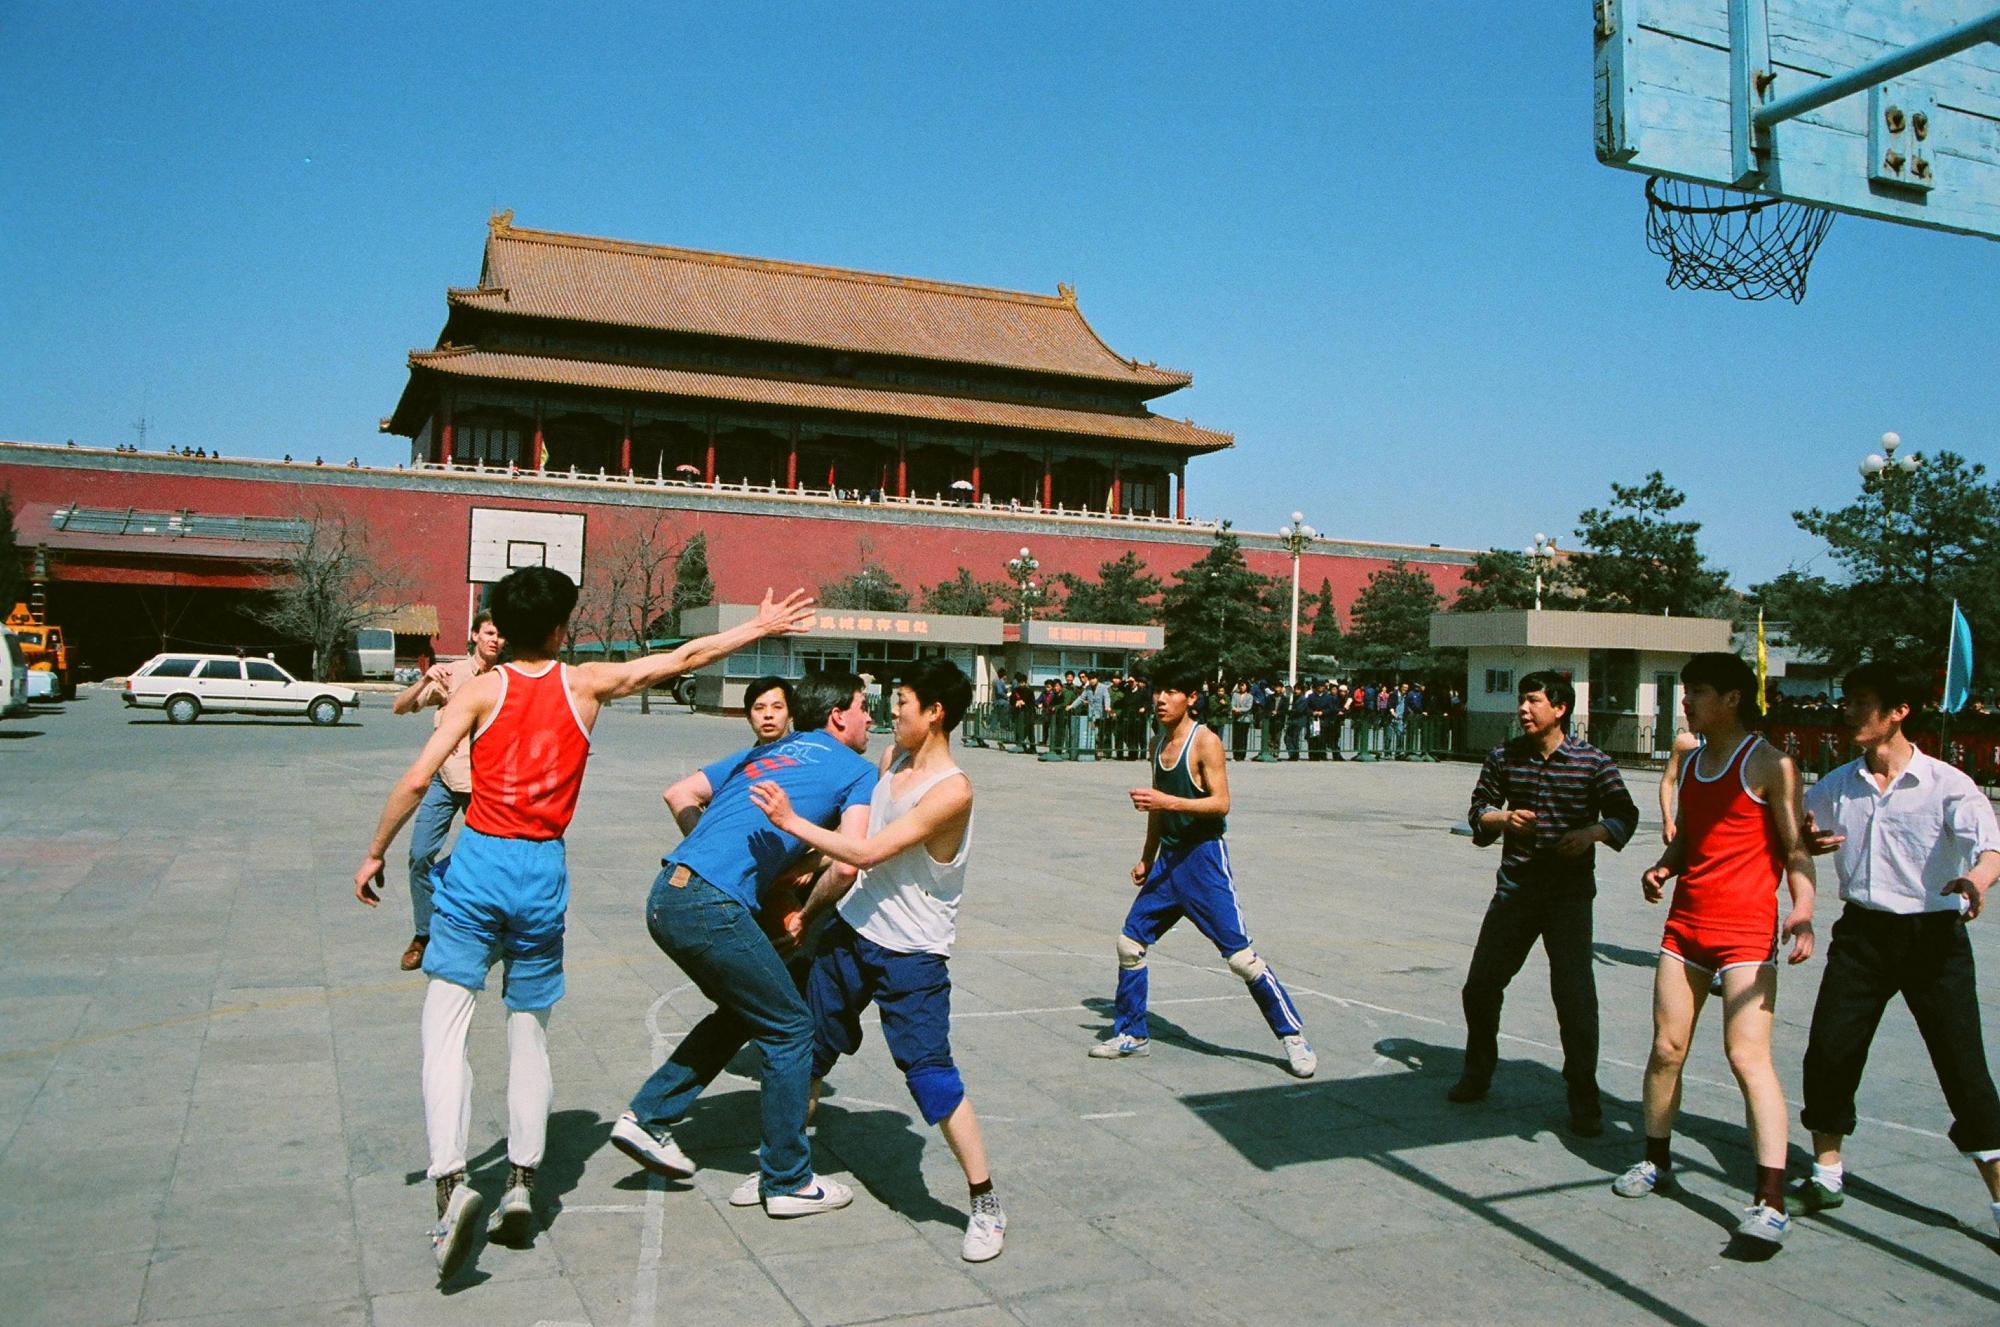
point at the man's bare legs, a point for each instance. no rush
(1679, 992)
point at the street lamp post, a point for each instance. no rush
(1541, 553)
(1021, 570)
(1296, 536)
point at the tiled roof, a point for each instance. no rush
(547, 274)
(501, 366)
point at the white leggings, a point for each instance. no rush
(448, 1079)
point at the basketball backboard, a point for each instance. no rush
(1880, 108)
(503, 540)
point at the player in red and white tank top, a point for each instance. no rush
(504, 892)
(1739, 836)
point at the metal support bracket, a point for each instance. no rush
(1902, 136)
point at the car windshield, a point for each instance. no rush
(30, 637)
(172, 668)
(260, 671)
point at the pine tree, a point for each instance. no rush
(1391, 619)
(1124, 593)
(1326, 634)
(693, 586)
(1223, 618)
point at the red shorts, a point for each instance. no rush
(1717, 951)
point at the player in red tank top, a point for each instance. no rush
(505, 891)
(1739, 835)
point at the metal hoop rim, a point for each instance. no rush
(1724, 209)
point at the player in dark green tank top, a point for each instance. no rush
(1183, 871)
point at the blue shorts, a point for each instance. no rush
(1192, 882)
(912, 992)
(504, 899)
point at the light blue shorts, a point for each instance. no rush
(501, 899)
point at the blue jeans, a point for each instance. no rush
(427, 831)
(718, 943)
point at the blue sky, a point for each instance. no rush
(1375, 232)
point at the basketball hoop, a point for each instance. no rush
(1751, 245)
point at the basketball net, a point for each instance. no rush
(1751, 245)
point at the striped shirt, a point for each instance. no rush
(1573, 787)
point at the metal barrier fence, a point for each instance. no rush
(1129, 736)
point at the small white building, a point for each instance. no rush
(1625, 668)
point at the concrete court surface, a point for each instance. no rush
(209, 1107)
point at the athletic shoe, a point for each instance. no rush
(657, 1152)
(458, 1216)
(985, 1232)
(1121, 1047)
(1466, 1090)
(413, 957)
(750, 1192)
(819, 1195)
(1300, 1061)
(514, 1219)
(1764, 1223)
(1809, 1196)
(1643, 1179)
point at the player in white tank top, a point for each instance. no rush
(897, 924)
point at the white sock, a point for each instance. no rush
(1830, 1177)
(1996, 1216)
(530, 1088)
(447, 1076)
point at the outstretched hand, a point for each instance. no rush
(773, 802)
(788, 617)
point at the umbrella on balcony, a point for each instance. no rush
(685, 469)
(963, 485)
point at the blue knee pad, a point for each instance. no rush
(937, 1089)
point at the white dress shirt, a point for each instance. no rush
(1905, 843)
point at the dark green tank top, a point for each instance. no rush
(1177, 828)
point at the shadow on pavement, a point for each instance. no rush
(883, 1151)
(1169, 1033)
(16, 734)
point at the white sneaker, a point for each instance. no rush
(1299, 1057)
(1121, 1047)
(657, 1152)
(819, 1195)
(1643, 1179)
(1764, 1223)
(514, 1219)
(458, 1217)
(984, 1234)
(750, 1192)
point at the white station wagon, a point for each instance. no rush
(188, 686)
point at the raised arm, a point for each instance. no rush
(426, 690)
(939, 814)
(609, 681)
(462, 714)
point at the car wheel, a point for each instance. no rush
(183, 709)
(324, 712)
(684, 692)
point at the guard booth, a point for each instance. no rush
(875, 645)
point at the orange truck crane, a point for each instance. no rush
(42, 648)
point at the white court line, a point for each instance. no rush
(646, 1280)
(600, 1209)
(1606, 1059)
(1111, 1115)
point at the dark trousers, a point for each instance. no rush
(1559, 916)
(1927, 959)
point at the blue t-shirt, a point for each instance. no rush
(734, 847)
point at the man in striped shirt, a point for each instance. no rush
(1551, 799)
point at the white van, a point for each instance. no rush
(13, 676)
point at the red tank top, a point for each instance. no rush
(527, 761)
(1734, 868)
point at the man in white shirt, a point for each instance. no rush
(1916, 846)
(451, 787)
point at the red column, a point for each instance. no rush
(1180, 494)
(444, 438)
(902, 467)
(975, 474)
(708, 463)
(1117, 484)
(792, 461)
(1048, 481)
(541, 451)
(625, 446)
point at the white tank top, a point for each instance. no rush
(909, 903)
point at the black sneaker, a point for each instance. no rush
(458, 1207)
(514, 1219)
(1467, 1089)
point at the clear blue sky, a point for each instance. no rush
(1376, 233)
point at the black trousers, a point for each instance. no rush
(1927, 959)
(1560, 917)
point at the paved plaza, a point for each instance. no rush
(209, 1107)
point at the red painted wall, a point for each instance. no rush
(429, 532)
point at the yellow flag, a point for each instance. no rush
(1763, 662)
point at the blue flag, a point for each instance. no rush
(1958, 663)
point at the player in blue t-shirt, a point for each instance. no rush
(703, 914)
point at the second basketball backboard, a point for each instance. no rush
(1880, 108)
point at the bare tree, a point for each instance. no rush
(629, 594)
(331, 587)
